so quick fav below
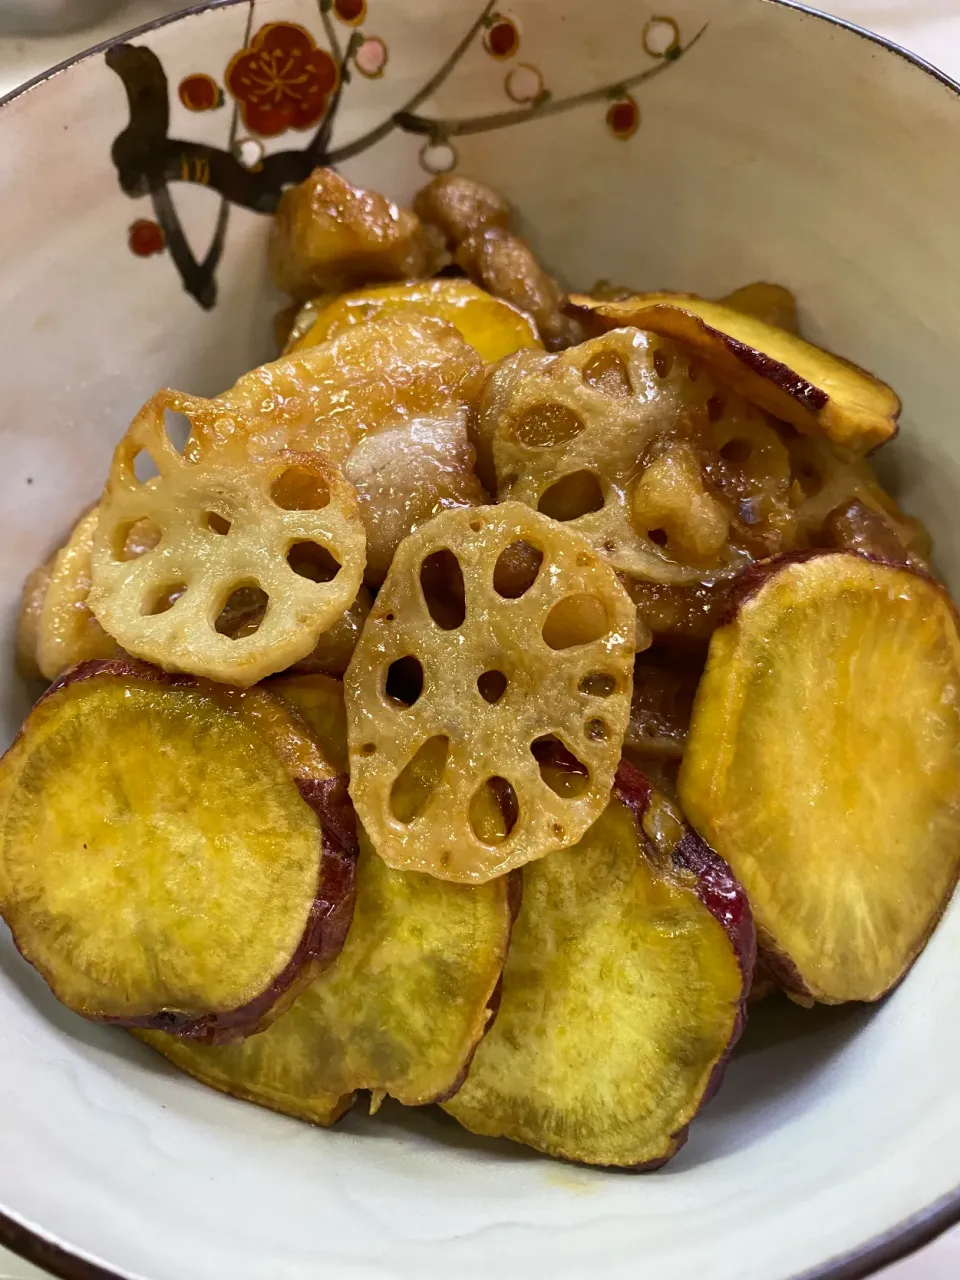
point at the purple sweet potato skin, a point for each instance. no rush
(330, 914)
(722, 895)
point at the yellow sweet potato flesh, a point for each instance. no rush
(816, 392)
(823, 763)
(399, 1011)
(620, 996)
(772, 303)
(159, 860)
(494, 328)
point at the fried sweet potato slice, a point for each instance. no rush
(329, 234)
(823, 763)
(463, 670)
(623, 992)
(403, 1006)
(287, 526)
(816, 392)
(175, 854)
(773, 304)
(493, 327)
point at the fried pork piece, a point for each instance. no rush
(623, 991)
(330, 235)
(664, 684)
(475, 221)
(388, 400)
(506, 265)
(460, 206)
(28, 620)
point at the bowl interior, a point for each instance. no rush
(777, 146)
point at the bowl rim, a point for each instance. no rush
(882, 1250)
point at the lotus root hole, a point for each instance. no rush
(544, 426)
(476, 525)
(597, 730)
(441, 581)
(492, 685)
(607, 372)
(659, 536)
(598, 684)
(134, 538)
(310, 560)
(418, 779)
(162, 599)
(565, 774)
(516, 569)
(404, 682)
(368, 749)
(493, 811)
(144, 466)
(572, 496)
(576, 620)
(178, 427)
(811, 481)
(300, 489)
(662, 362)
(716, 408)
(216, 523)
(737, 451)
(242, 612)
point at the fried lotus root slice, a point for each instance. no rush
(623, 992)
(493, 327)
(287, 525)
(823, 763)
(329, 235)
(369, 378)
(464, 673)
(598, 437)
(400, 1011)
(175, 854)
(818, 393)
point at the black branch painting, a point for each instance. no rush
(282, 80)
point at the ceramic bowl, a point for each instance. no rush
(686, 144)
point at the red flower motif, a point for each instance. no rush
(145, 238)
(200, 93)
(282, 80)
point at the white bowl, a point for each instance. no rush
(779, 146)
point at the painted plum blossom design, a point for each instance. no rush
(283, 80)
